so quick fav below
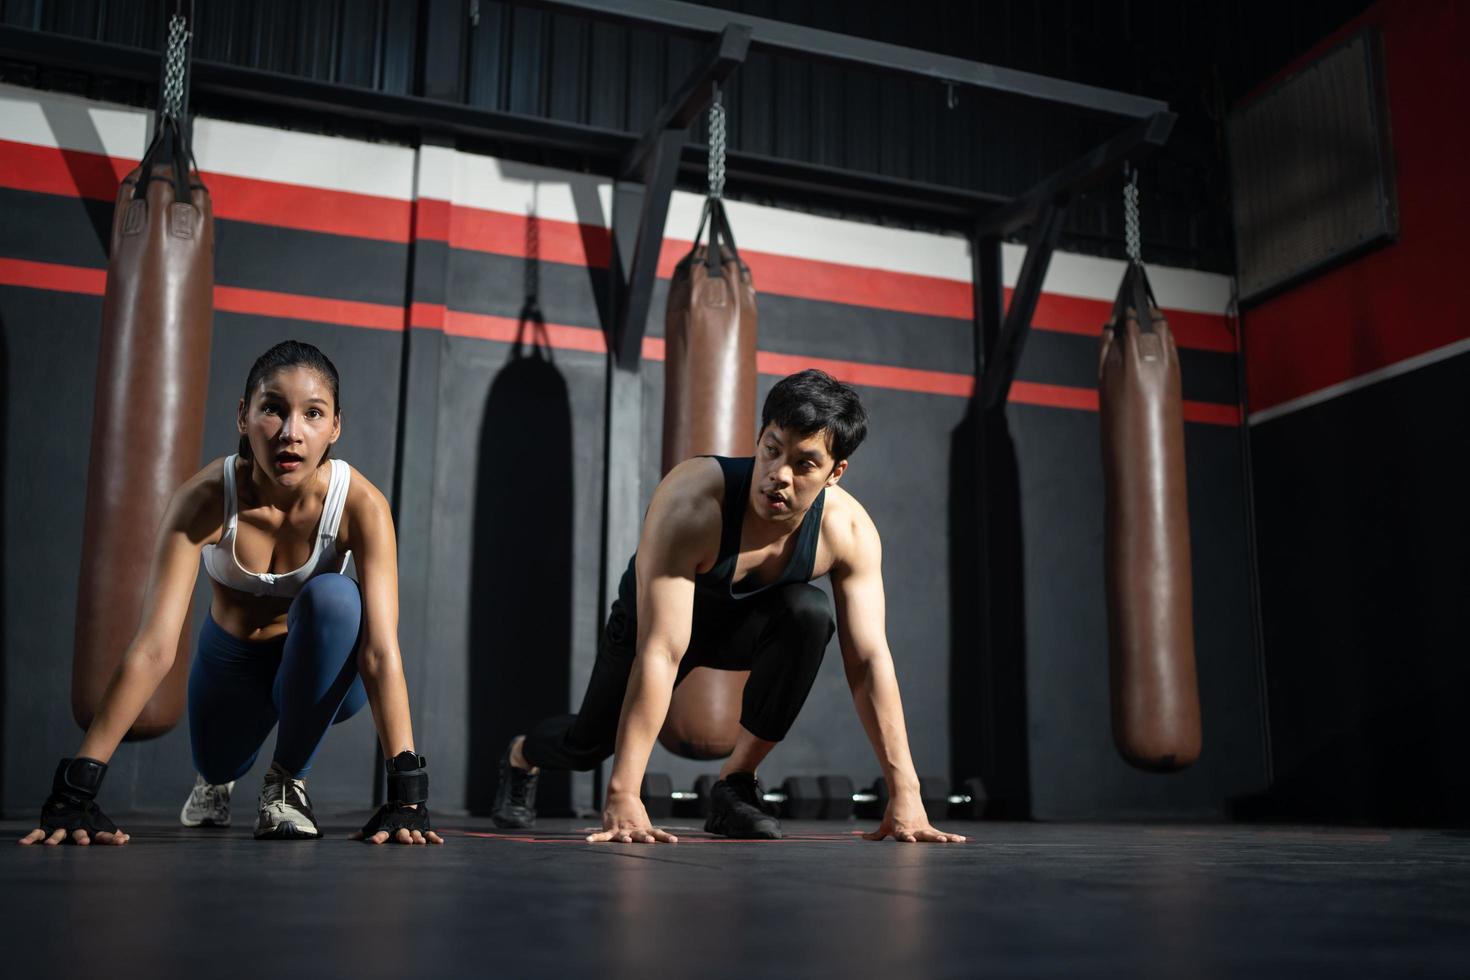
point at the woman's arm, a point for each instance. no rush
(194, 517)
(379, 662)
(375, 549)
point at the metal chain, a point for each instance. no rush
(716, 147)
(1131, 234)
(174, 64)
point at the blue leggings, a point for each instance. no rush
(306, 679)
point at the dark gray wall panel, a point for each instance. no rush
(1075, 772)
(308, 263)
(1360, 501)
(484, 494)
(49, 355)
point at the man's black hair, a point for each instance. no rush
(812, 401)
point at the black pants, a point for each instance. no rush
(779, 635)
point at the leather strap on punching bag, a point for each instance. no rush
(709, 409)
(153, 368)
(1155, 696)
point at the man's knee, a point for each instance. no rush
(809, 610)
(327, 600)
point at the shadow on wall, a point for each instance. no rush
(85, 157)
(593, 225)
(987, 664)
(521, 578)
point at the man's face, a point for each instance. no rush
(790, 470)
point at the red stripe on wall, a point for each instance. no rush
(428, 316)
(432, 316)
(49, 275)
(501, 233)
(285, 205)
(508, 330)
(1053, 396)
(832, 282)
(1076, 315)
(291, 306)
(1212, 413)
(869, 375)
(431, 219)
(73, 173)
(519, 236)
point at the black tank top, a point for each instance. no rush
(717, 587)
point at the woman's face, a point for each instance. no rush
(290, 420)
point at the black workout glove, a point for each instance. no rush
(72, 804)
(408, 797)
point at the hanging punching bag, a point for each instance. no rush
(1155, 696)
(709, 409)
(153, 365)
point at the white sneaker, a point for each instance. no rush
(208, 804)
(285, 810)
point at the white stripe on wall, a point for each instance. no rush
(384, 170)
(237, 149)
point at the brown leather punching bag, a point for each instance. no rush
(709, 408)
(1155, 696)
(148, 420)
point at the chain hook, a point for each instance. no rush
(716, 146)
(1133, 238)
(176, 59)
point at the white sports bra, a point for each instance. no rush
(222, 565)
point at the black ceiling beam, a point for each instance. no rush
(809, 42)
(603, 150)
(693, 97)
(1100, 163)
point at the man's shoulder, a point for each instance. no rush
(846, 524)
(694, 481)
(690, 499)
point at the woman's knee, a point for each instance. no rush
(326, 601)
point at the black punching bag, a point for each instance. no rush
(153, 368)
(709, 409)
(1155, 695)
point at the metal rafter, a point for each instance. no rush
(809, 42)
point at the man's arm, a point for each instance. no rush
(857, 584)
(676, 533)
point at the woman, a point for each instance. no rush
(288, 638)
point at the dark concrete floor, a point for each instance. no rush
(1018, 900)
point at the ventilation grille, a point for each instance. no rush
(1311, 170)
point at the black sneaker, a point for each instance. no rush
(515, 797)
(735, 810)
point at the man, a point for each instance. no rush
(722, 579)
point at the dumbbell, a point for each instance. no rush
(799, 798)
(657, 794)
(971, 802)
(827, 798)
(814, 798)
(939, 802)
